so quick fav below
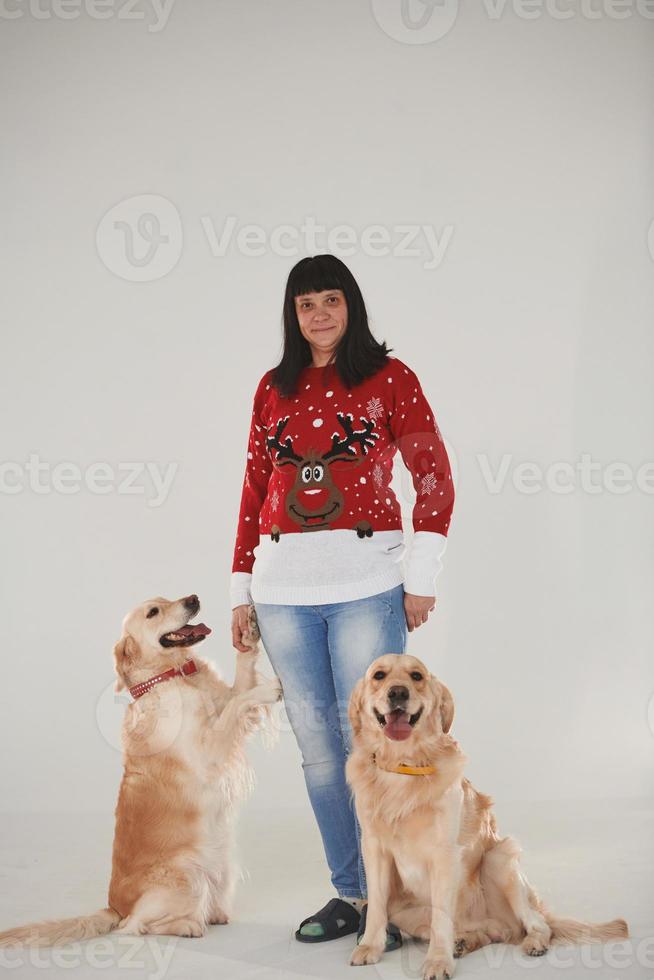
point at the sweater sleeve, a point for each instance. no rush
(258, 467)
(420, 443)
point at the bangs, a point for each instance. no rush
(315, 276)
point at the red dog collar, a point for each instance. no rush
(188, 667)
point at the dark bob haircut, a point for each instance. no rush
(358, 355)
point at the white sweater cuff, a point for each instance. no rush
(239, 589)
(423, 562)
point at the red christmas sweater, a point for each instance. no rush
(319, 521)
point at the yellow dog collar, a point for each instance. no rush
(408, 770)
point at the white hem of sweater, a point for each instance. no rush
(310, 595)
(377, 562)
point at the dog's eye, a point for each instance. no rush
(416, 675)
(379, 675)
(152, 612)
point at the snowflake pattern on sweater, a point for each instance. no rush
(322, 459)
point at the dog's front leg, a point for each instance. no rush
(245, 676)
(444, 875)
(218, 693)
(377, 863)
(242, 712)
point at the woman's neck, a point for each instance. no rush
(322, 360)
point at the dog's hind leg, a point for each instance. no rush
(189, 928)
(221, 894)
(415, 920)
(475, 935)
(163, 911)
(501, 868)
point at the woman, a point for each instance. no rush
(327, 585)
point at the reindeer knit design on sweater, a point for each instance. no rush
(317, 510)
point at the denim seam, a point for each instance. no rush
(393, 616)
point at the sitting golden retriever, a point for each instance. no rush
(184, 771)
(434, 862)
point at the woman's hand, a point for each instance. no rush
(240, 627)
(417, 609)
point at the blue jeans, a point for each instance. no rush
(319, 653)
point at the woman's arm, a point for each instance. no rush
(258, 468)
(418, 438)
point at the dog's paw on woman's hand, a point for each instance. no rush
(241, 641)
(251, 632)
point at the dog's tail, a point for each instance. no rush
(573, 931)
(58, 932)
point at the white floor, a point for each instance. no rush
(592, 861)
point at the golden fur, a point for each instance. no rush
(184, 771)
(434, 862)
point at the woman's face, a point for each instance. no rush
(323, 320)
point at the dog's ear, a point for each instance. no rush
(447, 707)
(124, 652)
(444, 703)
(356, 705)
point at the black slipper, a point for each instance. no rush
(393, 934)
(337, 918)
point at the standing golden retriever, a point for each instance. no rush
(184, 771)
(434, 862)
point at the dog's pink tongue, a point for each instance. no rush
(194, 629)
(397, 725)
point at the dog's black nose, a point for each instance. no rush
(192, 603)
(398, 694)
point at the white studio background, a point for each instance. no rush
(514, 141)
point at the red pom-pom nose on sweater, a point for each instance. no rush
(313, 498)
